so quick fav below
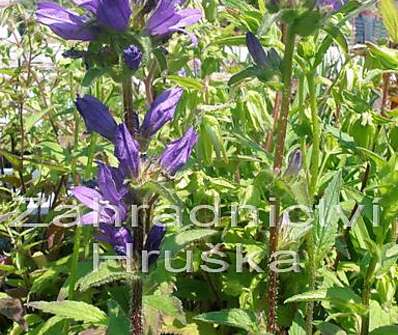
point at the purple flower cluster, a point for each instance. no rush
(166, 18)
(108, 201)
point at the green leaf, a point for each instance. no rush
(166, 305)
(386, 330)
(205, 147)
(328, 328)
(234, 317)
(326, 223)
(13, 159)
(33, 118)
(381, 316)
(75, 310)
(44, 281)
(342, 298)
(166, 192)
(387, 258)
(91, 75)
(250, 72)
(53, 326)
(316, 295)
(187, 83)
(161, 58)
(389, 12)
(230, 40)
(212, 131)
(107, 272)
(383, 58)
(177, 242)
(307, 23)
(297, 328)
(118, 321)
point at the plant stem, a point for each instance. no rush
(75, 262)
(136, 285)
(136, 317)
(311, 282)
(366, 295)
(287, 71)
(316, 133)
(314, 169)
(91, 156)
(136, 314)
(275, 117)
(131, 118)
(272, 325)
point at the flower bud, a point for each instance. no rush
(161, 111)
(154, 240)
(97, 116)
(132, 57)
(177, 153)
(295, 164)
(256, 50)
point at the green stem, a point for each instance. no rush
(91, 156)
(75, 262)
(366, 295)
(287, 72)
(316, 133)
(129, 115)
(314, 170)
(311, 268)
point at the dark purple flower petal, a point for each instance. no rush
(154, 240)
(107, 184)
(97, 116)
(127, 151)
(64, 23)
(155, 237)
(167, 19)
(119, 177)
(162, 110)
(256, 49)
(118, 237)
(177, 153)
(114, 14)
(132, 57)
(116, 209)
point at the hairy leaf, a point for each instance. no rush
(234, 317)
(75, 310)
